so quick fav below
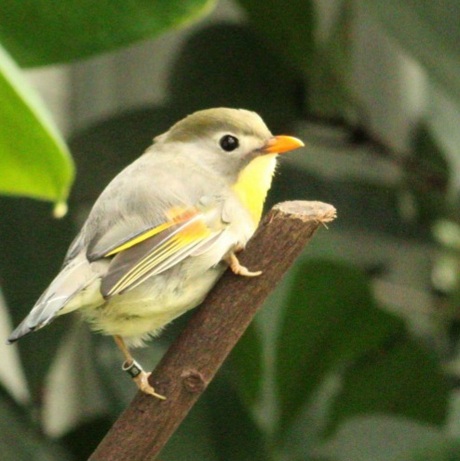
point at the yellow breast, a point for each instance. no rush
(254, 182)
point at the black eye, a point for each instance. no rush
(229, 142)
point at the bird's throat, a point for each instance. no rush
(253, 183)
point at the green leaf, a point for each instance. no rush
(40, 32)
(288, 27)
(34, 161)
(329, 320)
(247, 359)
(428, 31)
(19, 439)
(399, 378)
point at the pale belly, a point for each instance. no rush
(142, 312)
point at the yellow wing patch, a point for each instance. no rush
(174, 216)
(190, 231)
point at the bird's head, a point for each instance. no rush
(226, 140)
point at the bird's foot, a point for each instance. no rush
(141, 378)
(238, 269)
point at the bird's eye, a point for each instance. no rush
(229, 142)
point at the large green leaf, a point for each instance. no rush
(400, 378)
(428, 31)
(34, 160)
(329, 320)
(39, 32)
(288, 27)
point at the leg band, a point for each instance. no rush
(132, 368)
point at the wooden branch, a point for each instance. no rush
(194, 358)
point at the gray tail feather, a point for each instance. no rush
(19, 332)
(38, 318)
(22, 330)
(73, 278)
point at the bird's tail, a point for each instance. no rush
(76, 285)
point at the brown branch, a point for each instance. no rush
(192, 361)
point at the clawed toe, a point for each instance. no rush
(238, 269)
(142, 382)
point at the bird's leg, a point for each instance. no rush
(237, 268)
(139, 376)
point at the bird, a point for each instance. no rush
(165, 229)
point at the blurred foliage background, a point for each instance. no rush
(356, 355)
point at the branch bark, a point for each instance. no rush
(194, 358)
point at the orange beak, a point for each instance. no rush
(280, 144)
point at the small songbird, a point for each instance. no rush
(165, 229)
